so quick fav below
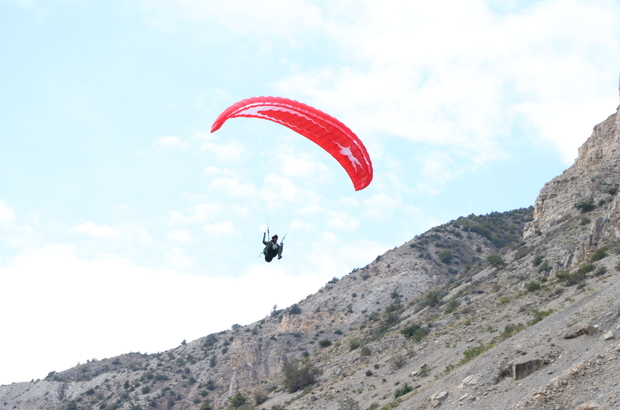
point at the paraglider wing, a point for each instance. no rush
(326, 131)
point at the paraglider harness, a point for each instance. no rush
(272, 248)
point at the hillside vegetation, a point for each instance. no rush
(512, 310)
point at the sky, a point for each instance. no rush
(126, 226)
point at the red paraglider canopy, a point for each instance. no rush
(326, 131)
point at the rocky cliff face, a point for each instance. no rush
(471, 314)
(592, 181)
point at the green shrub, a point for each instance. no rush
(600, 271)
(496, 261)
(237, 400)
(294, 310)
(354, 344)
(397, 361)
(537, 260)
(210, 341)
(260, 397)
(206, 405)
(574, 278)
(452, 305)
(585, 206)
(394, 307)
(474, 352)
(599, 254)
(539, 315)
(445, 256)
(298, 375)
(533, 286)
(366, 351)
(585, 221)
(503, 300)
(545, 266)
(402, 391)
(325, 343)
(511, 329)
(499, 228)
(522, 252)
(432, 298)
(415, 332)
(348, 403)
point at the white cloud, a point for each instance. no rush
(231, 151)
(339, 257)
(221, 229)
(171, 142)
(33, 218)
(136, 234)
(278, 190)
(197, 214)
(462, 81)
(258, 20)
(204, 136)
(178, 258)
(342, 220)
(181, 236)
(380, 206)
(96, 231)
(14, 235)
(35, 8)
(300, 226)
(348, 202)
(301, 166)
(41, 277)
(412, 77)
(241, 210)
(6, 213)
(427, 188)
(232, 187)
(216, 171)
(311, 209)
(438, 167)
(550, 119)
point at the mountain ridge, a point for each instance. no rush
(505, 310)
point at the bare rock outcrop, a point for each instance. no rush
(579, 330)
(520, 369)
(591, 182)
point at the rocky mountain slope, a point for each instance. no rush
(512, 310)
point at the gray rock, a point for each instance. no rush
(522, 369)
(470, 380)
(440, 396)
(578, 330)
